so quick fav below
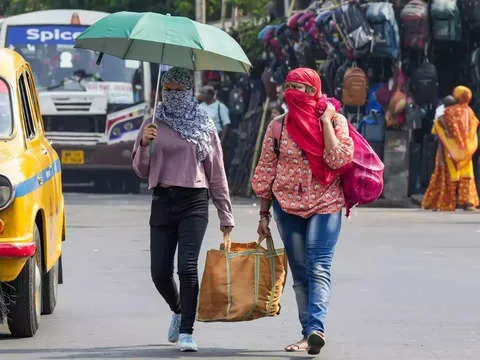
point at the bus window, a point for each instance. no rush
(58, 66)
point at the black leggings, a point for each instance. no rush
(179, 216)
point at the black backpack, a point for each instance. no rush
(471, 12)
(357, 30)
(339, 77)
(424, 84)
(327, 74)
(304, 55)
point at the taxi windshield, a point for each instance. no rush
(58, 66)
(6, 119)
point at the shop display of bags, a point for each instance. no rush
(446, 20)
(357, 30)
(355, 87)
(424, 84)
(386, 37)
(415, 27)
(471, 14)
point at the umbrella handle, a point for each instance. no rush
(156, 92)
(99, 59)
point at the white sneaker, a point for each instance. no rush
(186, 343)
(174, 329)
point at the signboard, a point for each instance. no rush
(44, 34)
(117, 92)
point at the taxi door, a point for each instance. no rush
(45, 176)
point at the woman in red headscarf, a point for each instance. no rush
(299, 173)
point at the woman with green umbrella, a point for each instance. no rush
(181, 156)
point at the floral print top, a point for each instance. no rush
(290, 180)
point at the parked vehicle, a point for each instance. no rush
(92, 113)
(32, 213)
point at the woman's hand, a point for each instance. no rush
(328, 114)
(263, 229)
(150, 133)
(227, 242)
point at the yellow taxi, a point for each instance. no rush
(32, 218)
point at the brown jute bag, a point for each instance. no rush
(242, 284)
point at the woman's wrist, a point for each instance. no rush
(265, 213)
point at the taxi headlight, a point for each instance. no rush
(7, 192)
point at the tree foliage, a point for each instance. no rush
(256, 8)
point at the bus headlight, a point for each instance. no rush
(7, 192)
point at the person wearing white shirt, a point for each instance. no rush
(216, 110)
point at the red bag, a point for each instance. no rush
(363, 179)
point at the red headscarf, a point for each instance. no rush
(304, 112)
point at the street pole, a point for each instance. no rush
(200, 16)
(223, 13)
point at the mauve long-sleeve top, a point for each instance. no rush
(172, 161)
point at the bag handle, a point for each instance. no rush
(227, 242)
(269, 239)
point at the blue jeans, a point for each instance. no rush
(310, 245)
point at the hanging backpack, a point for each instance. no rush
(340, 78)
(355, 86)
(357, 30)
(386, 38)
(424, 84)
(475, 69)
(415, 28)
(398, 5)
(327, 74)
(471, 12)
(329, 26)
(395, 111)
(446, 20)
(304, 55)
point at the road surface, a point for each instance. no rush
(406, 287)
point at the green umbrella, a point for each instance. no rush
(165, 39)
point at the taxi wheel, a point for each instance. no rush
(50, 290)
(25, 309)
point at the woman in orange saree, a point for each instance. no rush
(453, 180)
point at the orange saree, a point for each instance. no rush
(453, 177)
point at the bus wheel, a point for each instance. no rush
(25, 308)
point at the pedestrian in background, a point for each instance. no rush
(299, 172)
(217, 110)
(181, 156)
(453, 179)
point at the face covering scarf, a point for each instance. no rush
(304, 112)
(180, 111)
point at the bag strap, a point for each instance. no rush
(277, 129)
(227, 242)
(219, 115)
(269, 240)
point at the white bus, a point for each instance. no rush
(91, 113)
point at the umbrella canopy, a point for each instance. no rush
(165, 39)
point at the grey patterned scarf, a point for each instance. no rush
(181, 112)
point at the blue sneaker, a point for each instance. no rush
(186, 343)
(174, 329)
